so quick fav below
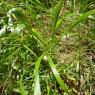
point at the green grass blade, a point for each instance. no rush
(23, 19)
(37, 90)
(22, 90)
(55, 14)
(79, 20)
(30, 50)
(38, 35)
(57, 76)
(60, 21)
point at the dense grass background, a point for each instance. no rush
(47, 47)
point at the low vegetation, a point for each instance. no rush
(47, 47)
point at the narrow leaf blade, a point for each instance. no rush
(55, 14)
(37, 90)
(22, 90)
(57, 76)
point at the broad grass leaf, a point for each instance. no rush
(63, 18)
(57, 76)
(55, 14)
(79, 20)
(38, 36)
(92, 17)
(21, 86)
(37, 90)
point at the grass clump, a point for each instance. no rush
(47, 47)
